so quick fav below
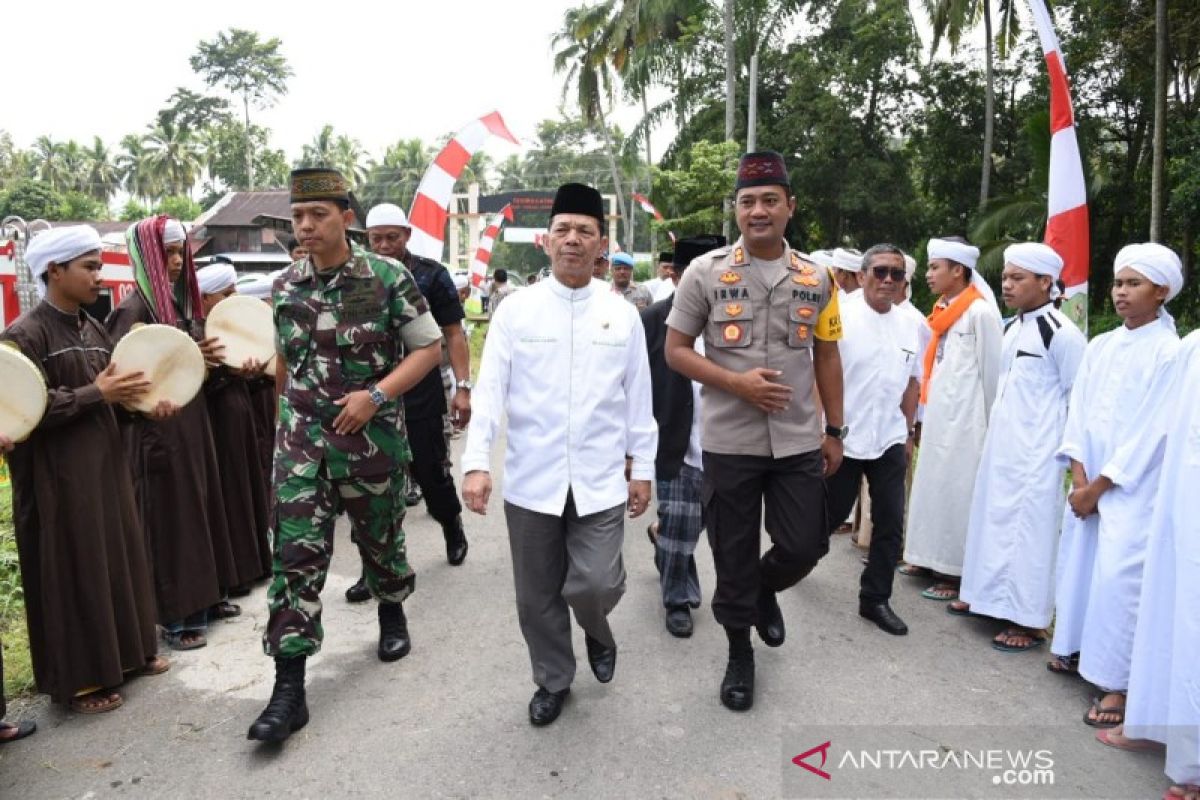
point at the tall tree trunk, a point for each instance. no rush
(249, 156)
(649, 170)
(1157, 189)
(730, 98)
(622, 207)
(989, 109)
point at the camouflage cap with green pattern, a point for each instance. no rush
(318, 183)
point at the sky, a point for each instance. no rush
(386, 71)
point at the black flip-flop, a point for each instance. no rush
(960, 612)
(1034, 643)
(1099, 709)
(23, 728)
(1064, 665)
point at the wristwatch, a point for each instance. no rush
(465, 384)
(377, 396)
(837, 433)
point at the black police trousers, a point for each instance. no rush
(430, 468)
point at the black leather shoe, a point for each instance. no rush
(883, 616)
(679, 621)
(603, 659)
(394, 643)
(287, 711)
(545, 706)
(737, 689)
(359, 593)
(770, 619)
(413, 497)
(456, 542)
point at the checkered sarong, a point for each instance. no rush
(680, 521)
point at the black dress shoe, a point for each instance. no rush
(603, 659)
(770, 619)
(679, 621)
(359, 593)
(413, 497)
(394, 643)
(545, 706)
(737, 689)
(287, 711)
(883, 616)
(456, 542)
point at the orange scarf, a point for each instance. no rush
(940, 320)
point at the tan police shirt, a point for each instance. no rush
(756, 313)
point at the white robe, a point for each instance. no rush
(960, 399)
(1008, 571)
(1164, 680)
(1118, 391)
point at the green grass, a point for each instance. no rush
(18, 671)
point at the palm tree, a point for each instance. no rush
(173, 157)
(348, 160)
(74, 166)
(133, 165)
(321, 151)
(47, 159)
(102, 175)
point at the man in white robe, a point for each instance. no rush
(566, 359)
(1164, 706)
(1115, 467)
(1008, 570)
(961, 370)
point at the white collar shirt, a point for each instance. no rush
(569, 369)
(879, 357)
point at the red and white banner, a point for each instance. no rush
(483, 255)
(431, 205)
(1067, 230)
(649, 208)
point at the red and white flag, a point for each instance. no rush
(649, 208)
(431, 205)
(483, 255)
(1068, 226)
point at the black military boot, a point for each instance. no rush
(456, 542)
(359, 593)
(394, 643)
(737, 688)
(287, 712)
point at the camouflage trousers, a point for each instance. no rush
(305, 512)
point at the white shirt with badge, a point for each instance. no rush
(569, 369)
(879, 357)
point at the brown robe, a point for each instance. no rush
(89, 597)
(178, 488)
(231, 412)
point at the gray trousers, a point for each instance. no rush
(560, 563)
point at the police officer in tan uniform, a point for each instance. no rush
(770, 323)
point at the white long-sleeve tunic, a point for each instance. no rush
(1008, 571)
(569, 368)
(961, 389)
(1164, 680)
(1119, 389)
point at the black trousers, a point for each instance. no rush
(430, 468)
(885, 483)
(736, 490)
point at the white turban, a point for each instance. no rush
(1159, 264)
(386, 214)
(910, 269)
(216, 277)
(968, 256)
(849, 260)
(822, 258)
(1038, 258)
(461, 282)
(58, 246)
(258, 286)
(174, 232)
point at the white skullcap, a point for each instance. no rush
(216, 278)
(174, 232)
(461, 282)
(822, 258)
(849, 260)
(1159, 264)
(965, 254)
(386, 214)
(1038, 258)
(258, 286)
(59, 246)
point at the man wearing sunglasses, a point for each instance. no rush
(881, 378)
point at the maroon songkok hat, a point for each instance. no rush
(764, 168)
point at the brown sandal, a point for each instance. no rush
(98, 702)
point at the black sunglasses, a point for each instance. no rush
(882, 273)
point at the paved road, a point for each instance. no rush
(450, 719)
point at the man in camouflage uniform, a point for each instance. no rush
(343, 317)
(622, 282)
